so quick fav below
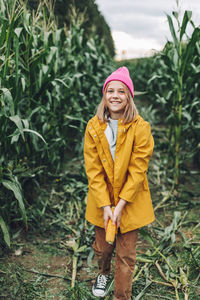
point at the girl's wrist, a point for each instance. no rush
(106, 207)
(122, 202)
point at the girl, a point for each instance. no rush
(117, 149)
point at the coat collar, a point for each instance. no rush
(98, 123)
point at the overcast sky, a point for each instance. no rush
(138, 26)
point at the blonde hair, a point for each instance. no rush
(130, 111)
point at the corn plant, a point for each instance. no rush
(183, 58)
(172, 83)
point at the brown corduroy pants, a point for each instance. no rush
(125, 256)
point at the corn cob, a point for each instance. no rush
(110, 231)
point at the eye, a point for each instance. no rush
(121, 92)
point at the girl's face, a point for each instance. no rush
(116, 99)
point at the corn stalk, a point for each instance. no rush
(74, 246)
(181, 57)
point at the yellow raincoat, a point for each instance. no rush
(124, 178)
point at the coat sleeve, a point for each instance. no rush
(95, 172)
(138, 166)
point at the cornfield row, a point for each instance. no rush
(50, 79)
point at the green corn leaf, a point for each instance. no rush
(7, 102)
(9, 35)
(15, 137)
(27, 17)
(18, 122)
(57, 36)
(46, 38)
(3, 31)
(23, 83)
(5, 231)
(110, 289)
(146, 236)
(175, 14)
(36, 133)
(189, 13)
(91, 45)
(196, 69)
(61, 81)
(26, 123)
(18, 31)
(183, 277)
(169, 232)
(14, 187)
(46, 74)
(90, 257)
(188, 54)
(187, 16)
(141, 294)
(143, 258)
(16, 46)
(82, 248)
(187, 116)
(172, 30)
(37, 109)
(75, 118)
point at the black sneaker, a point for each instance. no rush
(100, 287)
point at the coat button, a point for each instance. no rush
(90, 128)
(104, 160)
(95, 136)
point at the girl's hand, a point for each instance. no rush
(116, 219)
(107, 214)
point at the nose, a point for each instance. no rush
(115, 94)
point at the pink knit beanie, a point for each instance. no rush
(121, 74)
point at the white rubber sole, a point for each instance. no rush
(97, 295)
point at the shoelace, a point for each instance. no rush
(101, 281)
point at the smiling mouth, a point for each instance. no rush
(115, 102)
